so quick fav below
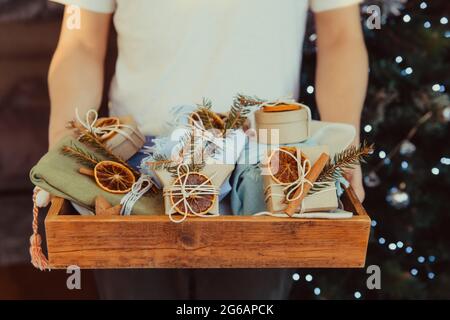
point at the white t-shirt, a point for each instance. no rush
(175, 52)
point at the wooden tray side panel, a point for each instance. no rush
(158, 243)
(223, 242)
(352, 203)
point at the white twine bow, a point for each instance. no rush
(208, 141)
(303, 169)
(138, 189)
(185, 191)
(92, 117)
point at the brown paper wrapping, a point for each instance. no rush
(217, 172)
(283, 127)
(120, 145)
(323, 201)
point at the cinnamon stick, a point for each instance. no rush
(312, 177)
(86, 171)
(104, 208)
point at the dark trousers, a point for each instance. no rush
(161, 284)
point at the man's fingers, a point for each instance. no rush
(359, 190)
(355, 179)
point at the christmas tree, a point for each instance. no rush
(407, 179)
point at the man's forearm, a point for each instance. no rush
(341, 82)
(75, 81)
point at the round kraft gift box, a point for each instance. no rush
(283, 127)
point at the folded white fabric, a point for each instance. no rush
(227, 149)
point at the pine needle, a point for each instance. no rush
(82, 157)
(206, 114)
(239, 111)
(342, 161)
(90, 140)
(191, 152)
(248, 101)
(160, 162)
(193, 157)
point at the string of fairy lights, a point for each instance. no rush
(396, 196)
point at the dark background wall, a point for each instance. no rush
(28, 35)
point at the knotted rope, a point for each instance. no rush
(185, 191)
(197, 125)
(291, 187)
(92, 117)
(38, 259)
(138, 189)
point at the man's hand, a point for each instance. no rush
(356, 181)
(342, 73)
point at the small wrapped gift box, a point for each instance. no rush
(120, 135)
(275, 192)
(126, 140)
(193, 193)
(283, 123)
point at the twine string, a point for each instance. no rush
(186, 191)
(303, 170)
(197, 124)
(120, 128)
(138, 189)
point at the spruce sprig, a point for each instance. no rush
(82, 157)
(209, 118)
(191, 154)
(90, 140)
(206, 114)
(239, 111)
(341, 162)
(160, 162)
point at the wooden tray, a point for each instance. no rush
(96, 242)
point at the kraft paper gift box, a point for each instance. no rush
(283, 127)
(325, 200)
(218, 173)
(128, 141)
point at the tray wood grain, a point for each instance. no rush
(223, 242)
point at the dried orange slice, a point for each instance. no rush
(105, 122)
(281, 107)
(113, 177)
(282, 165)
(200, 203)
